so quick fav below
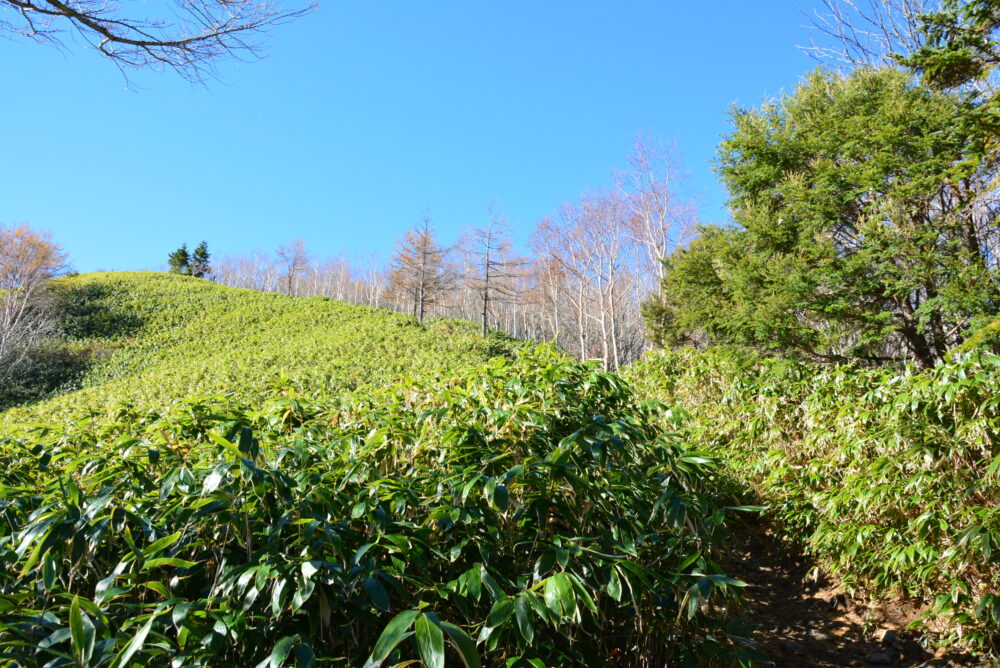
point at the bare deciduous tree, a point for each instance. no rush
(867, 33)
(188, 36)
(491, 267)
(661, 215)
(294, 260)
(28, 259)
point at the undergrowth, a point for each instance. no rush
(888, 476)
(251, 479)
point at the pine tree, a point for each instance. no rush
(200, 267)
(180, 261)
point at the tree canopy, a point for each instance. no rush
(858, 229)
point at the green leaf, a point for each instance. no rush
(615, 585)
(582, 592)
(430, 642)
(134, 645)
(281, 651)
(525, 624)
(377, 593)
(168, 561)
(545, 563)
(50, 569)
(559, 595)
(395, 632)
(304, 656)
(179, 614)
(465, 645)
(229, 447)
(161, 544)
(158, 587)
(500, 613)
(82, 633)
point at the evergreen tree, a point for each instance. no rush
(180, 261)
(856, 233)
(200, 267)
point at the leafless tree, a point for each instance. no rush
(661, 213)
(490, 265)
(294, 260)
(866, 33)
(188, 36)
(28, 259)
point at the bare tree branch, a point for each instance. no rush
(27, 261)
(195, 35)
(866, 33)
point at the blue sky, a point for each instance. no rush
(366, 113)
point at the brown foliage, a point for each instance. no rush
(28, 259)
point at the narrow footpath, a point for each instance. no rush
(802, 622)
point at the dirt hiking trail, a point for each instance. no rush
(802, 622)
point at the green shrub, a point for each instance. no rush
(533, 506)
(890, 477)
(252, 479)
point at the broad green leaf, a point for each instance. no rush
(395, 632)
(465, 645)
(430, 642)
(500, 613)
(377, 593)
(134, 645)
(168, 561)
(525, 623)
(281, 651)
(615, 585)
(82, 633)
(559, 595)
(161, 544)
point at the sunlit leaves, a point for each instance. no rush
(888, 476)
(526, 508)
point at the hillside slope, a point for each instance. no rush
(159, 337)
(249, 479)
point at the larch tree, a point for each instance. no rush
(418, 270)
(491, 265)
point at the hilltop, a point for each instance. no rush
(152, 338)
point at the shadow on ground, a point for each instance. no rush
(800, 621)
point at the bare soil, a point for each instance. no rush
(801, 621)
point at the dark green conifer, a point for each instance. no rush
(180, 261)
(200, 267)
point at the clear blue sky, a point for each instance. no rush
(366, 113)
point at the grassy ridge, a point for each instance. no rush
(892, 479)
(164, 336)
(249, 479)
